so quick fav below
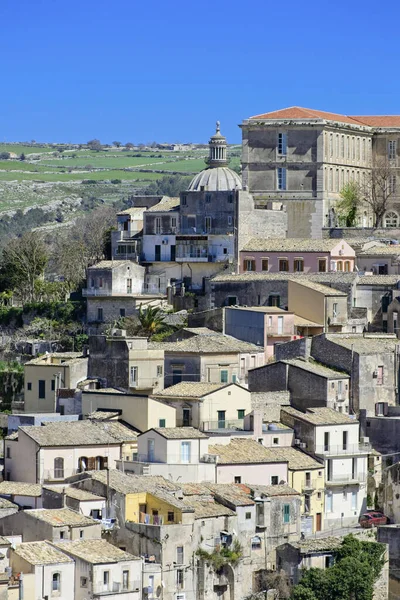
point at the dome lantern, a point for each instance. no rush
(217, 156)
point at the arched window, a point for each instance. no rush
(56, 582)
(339, 265)
(59, 468)
(347, 266)
(99, 463)
(82, 464)
(391, 219)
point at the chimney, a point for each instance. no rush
(257, 423)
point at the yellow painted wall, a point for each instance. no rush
(132, 502)
(297, 480)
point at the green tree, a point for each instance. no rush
(117, 144)
(94, 144)
(357, 566)
(4, 155)
(129, 145)
(23, 262)
(348, 204)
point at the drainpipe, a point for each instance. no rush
(37, 465)
(351, 399)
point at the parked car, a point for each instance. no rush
(373, 519)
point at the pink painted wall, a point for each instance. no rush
(252, 473)
(311, 259)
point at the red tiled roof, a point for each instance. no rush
(297, 112)
(380, 120)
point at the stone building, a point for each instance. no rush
(117, 288)
(127, 363)
(303, 158)
(310, 383)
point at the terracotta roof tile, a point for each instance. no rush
(297, 112)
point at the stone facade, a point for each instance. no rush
(303, 158)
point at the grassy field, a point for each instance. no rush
(78, 176)
(52, 180)
(21, 149)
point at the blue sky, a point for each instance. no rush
(165, 70)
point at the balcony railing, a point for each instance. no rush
(340, 449)
(147, 519)
(116, 587)
(226, 424)
(141, 291)
(339, 478)
(309, 485)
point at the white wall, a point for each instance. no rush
(252, 473)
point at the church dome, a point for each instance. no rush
(218, 177)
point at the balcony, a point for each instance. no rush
(147, 519)
(146, 289)
(223, 425)
(339, 450)
(309, 485)
(345, 478)
(116, 587)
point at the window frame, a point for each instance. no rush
(281, 179)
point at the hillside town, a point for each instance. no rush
(230, 426)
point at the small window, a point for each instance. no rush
(275, 441)
(59, 468)
(224, 376)
(283, 265)
(62, 535)
(238, 479)
(161, 423)
(230, 198)
(8, 452)
(159, 370)
(125, 580)
(248, 515)
(208, 198)
(179, 579)
(322, 265)
(179, 555)
(56, 582)
(53, 385)
(274, 479)
(84, 581)
(282, 144)
(255, 543)
(42, 388)
(286, 513)
(241, 412)
(81, 534)
(379, 378)
(29, 386)
(298, 265)
(184, 200)
(264, 264)
(319, 495)
(392, 149)
(100, 314)
(171, 516)
(249, 265)
(225, 251)
(122, 312)
(281, 178)
(134, 376)
(106, 578)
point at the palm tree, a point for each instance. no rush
(151, 319)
